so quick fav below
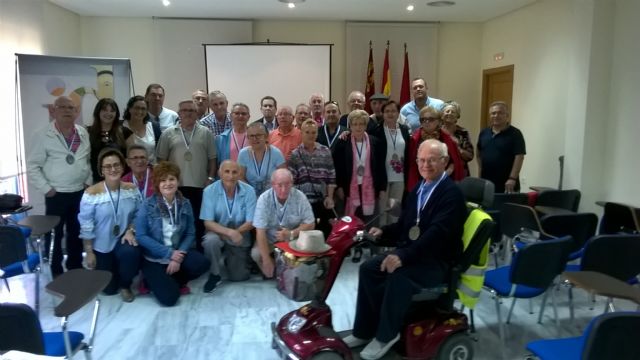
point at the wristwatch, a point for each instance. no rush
(291, 235)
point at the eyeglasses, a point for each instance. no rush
(66, 107)
(240, 113)
(112, 167)
(255, 136)
(430, 161)
(138, 158)
(428, 119)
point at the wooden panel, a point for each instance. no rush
(497, 85)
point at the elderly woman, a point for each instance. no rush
(107, 210)
(229, 224)
(313, 173)
(460, 135)
(141, 174)
(106, 132)
(395, 138)
(360, 178)
(259, 160)
(431, 128)
(144, 132)
(166, 232)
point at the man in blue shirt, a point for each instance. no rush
(411, 110)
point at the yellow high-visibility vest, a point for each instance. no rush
(472, 279)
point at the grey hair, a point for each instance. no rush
(442, 147)
(286, 172)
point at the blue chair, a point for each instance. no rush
(581, 227)
(14, 259)
(20, 328)
(530, 274)
(608, 336)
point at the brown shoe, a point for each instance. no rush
(127, 295)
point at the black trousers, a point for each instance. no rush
(322, 216)
(67, 206)
(123, 262)
(384, 299)
(194, 195)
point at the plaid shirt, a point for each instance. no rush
(214, 125)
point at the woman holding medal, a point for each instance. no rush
(394, 137)
(259, 160)
(360, 178)
(107, 210)
(166, 232)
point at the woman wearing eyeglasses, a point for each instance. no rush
(106, 132)
(107, 210)
(431, 128)
(145, 131)
(259, 160)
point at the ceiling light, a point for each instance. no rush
(289, 2)
(441, 3)
(166, 2)
(291, 5)
(410, 7)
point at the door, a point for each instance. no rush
(497, 85)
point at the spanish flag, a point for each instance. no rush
(386, 73)
(370, 88)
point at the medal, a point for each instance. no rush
(116, 230)
(114, 208)
(68, 144)
(70, 159)
(187, 144)
(360, 170)
(188, 156)
(414, 232)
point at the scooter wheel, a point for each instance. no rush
(327, 355)
(457, 347)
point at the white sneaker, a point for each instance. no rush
(353, 341)
(376, 349)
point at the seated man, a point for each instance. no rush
(228, 224)
(281, 213)
(429, 234)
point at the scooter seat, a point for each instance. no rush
(432, 293)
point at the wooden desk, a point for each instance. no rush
(550, 210)
(40, 224)
(602, 284)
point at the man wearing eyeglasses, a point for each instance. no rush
(411, 110)
(141, 173)
(428, 239)
(356, 101)
(58, 166)
(190, 146)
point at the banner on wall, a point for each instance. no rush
(42, 79)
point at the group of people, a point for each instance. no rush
(177, 195)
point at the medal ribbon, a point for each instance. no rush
(255, 161)
(184, 138)
(146, 184)
(233, 135)
(114, 205)
(284, 208)
(331, 140)
(231, 203)
(68, 144)
(173, 218)
(423, 199)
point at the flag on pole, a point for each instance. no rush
(370, 87)
(405, 93)
(386, 73)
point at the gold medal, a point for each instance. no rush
(414, 232)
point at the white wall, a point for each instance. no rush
(29, 27)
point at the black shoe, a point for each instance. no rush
(212, 283)
(357, 255)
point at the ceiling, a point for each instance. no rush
(356, 10)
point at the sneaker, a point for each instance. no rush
(212, 283)
(353, 341)
(184, 290)
(376, 349)
(127, 295)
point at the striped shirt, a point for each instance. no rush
(312, 171)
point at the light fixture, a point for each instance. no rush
(291, 5)
(166, 2)
(441, 3)
(291, 2)
(410, 7)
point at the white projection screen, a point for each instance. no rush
(288, 72)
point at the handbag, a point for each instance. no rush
(10, 202)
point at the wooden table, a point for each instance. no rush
(602, 284)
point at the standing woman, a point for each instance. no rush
(395, 138)
(259, 160)
(311, 165)
(360, 178)
(106, 132)
(166, 232)
(144, 131)
(460, 135)
(107, 210)
(431, 128)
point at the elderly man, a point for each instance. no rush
(141, 173)
(218, 119)
(316, 103)
(501, 150)
(356, 101)
(268, 108)
(234, 139)
(428, 236)
(411, 110)
(303, 112)
(227, 211)
(201, 100)
(154, 96)
(190, 146)
(286, 137)
(377, 101)
(281, 213)
(331, 130)
(58, 166)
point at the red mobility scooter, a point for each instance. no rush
(433, 329)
